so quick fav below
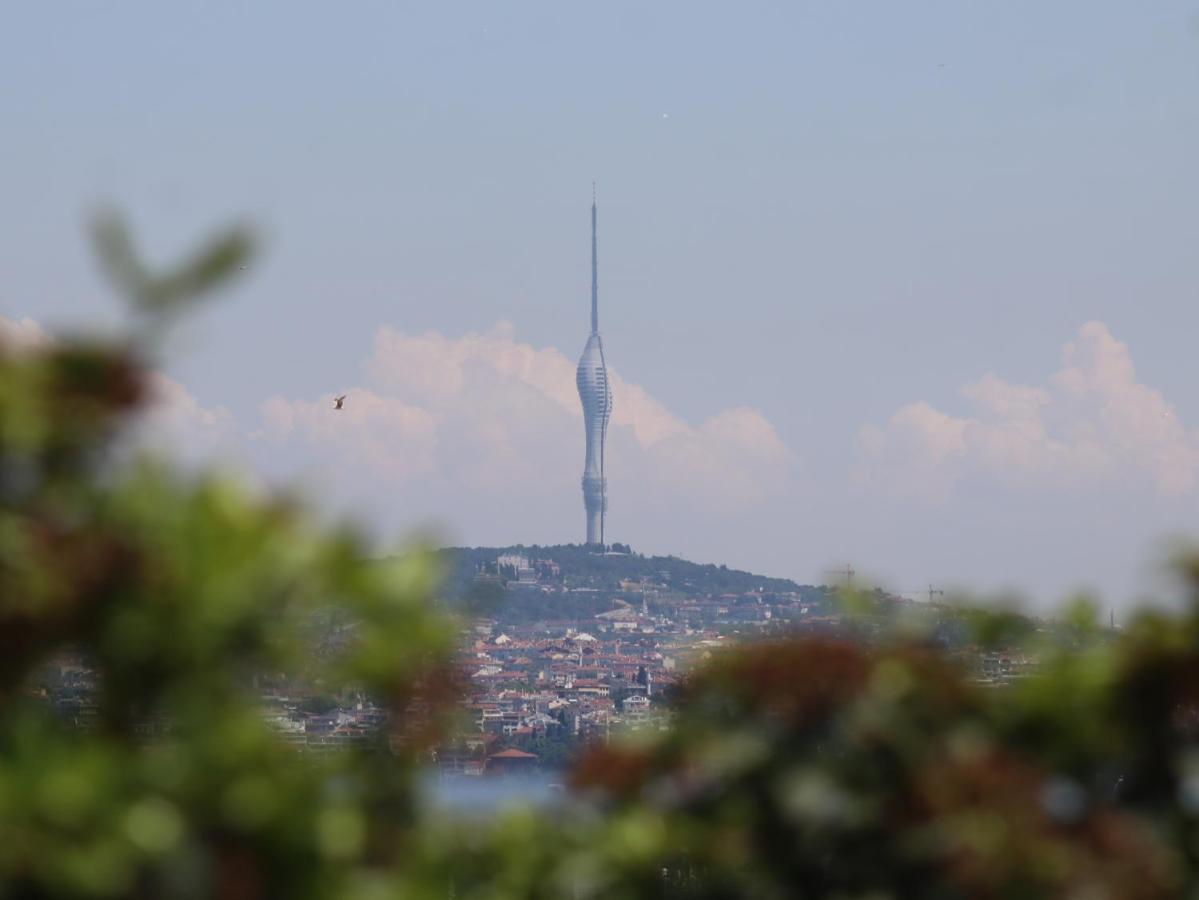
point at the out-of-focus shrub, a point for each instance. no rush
(827, 768)
(177, 595)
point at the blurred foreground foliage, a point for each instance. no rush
(181, 594)
(811, 767)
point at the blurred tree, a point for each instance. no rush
(176, 594)
(830, 768)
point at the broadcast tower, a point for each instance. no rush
(596, 396)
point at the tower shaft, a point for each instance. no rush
(595, 394)
(594, 276)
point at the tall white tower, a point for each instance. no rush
(596, 396)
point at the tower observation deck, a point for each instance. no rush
(596, 396)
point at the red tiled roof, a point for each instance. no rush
(513, 754)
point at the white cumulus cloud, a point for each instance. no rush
(395, 438)
(1091, 423)
(172, 421)
(490, 421)
(21, 334)
(175, 423)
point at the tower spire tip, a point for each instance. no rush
(594, 272)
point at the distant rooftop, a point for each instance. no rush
(513, 754)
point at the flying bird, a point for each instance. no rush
(338, 401)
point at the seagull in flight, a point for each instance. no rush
(338, 401)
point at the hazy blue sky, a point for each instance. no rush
(828, 213)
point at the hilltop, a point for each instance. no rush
(578, 561)
(571, 581)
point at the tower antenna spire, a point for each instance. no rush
(594, 270)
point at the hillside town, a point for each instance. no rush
(574, 650)
(560, 647)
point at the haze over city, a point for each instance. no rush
(912, 294)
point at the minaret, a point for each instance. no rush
(596, 396)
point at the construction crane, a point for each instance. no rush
(847, 573)
(929, 592)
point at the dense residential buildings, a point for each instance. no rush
(581, 647)
(563, 646)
